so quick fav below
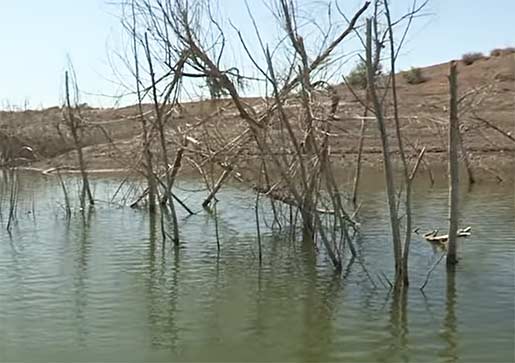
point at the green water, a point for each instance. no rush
(102, 287)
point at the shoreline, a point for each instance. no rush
(488, 167)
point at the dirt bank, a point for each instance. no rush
(112, 139)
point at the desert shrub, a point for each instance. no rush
(502, 51)
(496, 52)
(469, 58)
(357, 77)
(414, 76)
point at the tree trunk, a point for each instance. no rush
(357, 175)
(388, 170)
(465, 156)
(149, 168)
(453, 165)
(407, 179)
(217, 187)
(73, 123)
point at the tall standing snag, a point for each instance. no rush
(74, 123)
(453, 165)
(376, 39)
(402, 154)
(387, 162)
(148, 157)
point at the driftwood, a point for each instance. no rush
(444, 238)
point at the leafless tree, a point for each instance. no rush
(288, 131)
(76, 127)
(375, 41)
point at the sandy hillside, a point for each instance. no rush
(113, 136)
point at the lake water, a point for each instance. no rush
(102, 287)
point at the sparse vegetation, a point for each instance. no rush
(496, 52)
(414, 76)
(357, 77)
(469, 58)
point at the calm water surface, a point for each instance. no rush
(101, 286)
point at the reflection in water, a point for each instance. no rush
(318, 305)
(80, 237)
(399, 320)
(396, 342)
(152, 280)
(173, 295)
(162, 292)
(106, 287)
(449, 334)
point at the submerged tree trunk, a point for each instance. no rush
(453, 165)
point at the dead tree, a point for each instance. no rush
(160, 120)
(302, 175)
(148, 164)
(374, 43)
(408, 179)
(387, 162)
(76, 127)
(453, 143)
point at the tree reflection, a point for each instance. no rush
(152, 283)
(318, 312)
(397, 341)
(81, 271)
(449, 334)
(162, 317)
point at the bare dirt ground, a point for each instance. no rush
(112, 139)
